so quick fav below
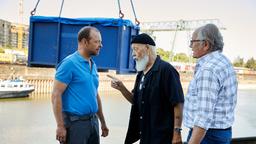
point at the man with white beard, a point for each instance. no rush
(157, 98)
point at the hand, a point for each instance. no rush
(116, 83)
(61, 134)
(104, 130)
(176, 138)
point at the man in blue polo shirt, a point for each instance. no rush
(76, 103)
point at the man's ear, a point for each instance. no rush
(206, 46)
(85, 41)
(148, 49)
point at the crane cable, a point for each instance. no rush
(33, 12)
(121, 14)
(62, 3)
(137, 22)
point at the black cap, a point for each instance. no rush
(143, 39)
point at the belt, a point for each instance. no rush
(80, 118)
(229, 128)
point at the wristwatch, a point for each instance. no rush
(178, 130)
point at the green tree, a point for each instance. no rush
(165, 55)
(181, 57)
(238, 62)
(251, 64)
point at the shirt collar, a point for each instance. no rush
(82, 59)
(206, 58)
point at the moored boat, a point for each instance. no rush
(15, 88)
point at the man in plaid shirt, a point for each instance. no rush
(212, 93)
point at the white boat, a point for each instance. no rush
(15, 88)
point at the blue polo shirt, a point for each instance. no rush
(80, 96)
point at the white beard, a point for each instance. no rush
(142, 63)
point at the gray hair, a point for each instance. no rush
(153, 48)
(211, 33)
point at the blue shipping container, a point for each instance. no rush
(52, 38)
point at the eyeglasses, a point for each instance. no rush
(192, 41)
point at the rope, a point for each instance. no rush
(121, 15)
(137, 22)
(62, 3)
(33, 12)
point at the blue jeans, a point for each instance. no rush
(215, 136)
(84, 131)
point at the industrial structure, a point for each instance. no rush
(180, 25)
(13, 35)
(175, 26)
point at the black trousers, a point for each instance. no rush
(82, 131)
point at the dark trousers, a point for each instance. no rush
(215, 136)
(82, 130)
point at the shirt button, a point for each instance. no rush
(142, 102)
(141, 117)
(140, 132)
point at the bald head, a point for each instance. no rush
(85, 32)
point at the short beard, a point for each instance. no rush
(92, 53)
(142, 63)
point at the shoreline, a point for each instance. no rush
(43, 78)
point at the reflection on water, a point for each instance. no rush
(31, 121)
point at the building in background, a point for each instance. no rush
(13, 35)
(5, 31)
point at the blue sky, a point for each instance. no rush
(238, 16)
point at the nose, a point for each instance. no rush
(134, 55)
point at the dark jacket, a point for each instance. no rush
(154, 124)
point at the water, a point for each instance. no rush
(31, 121)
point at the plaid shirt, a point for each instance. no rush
(212, 93)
